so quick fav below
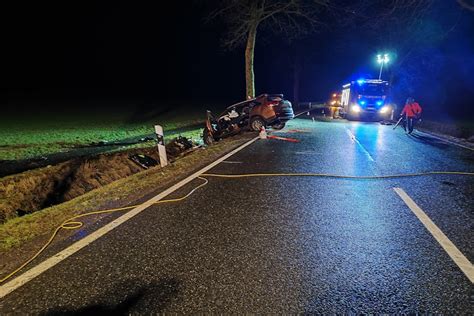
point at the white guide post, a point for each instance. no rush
(161, 145)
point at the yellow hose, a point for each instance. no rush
(72, 222)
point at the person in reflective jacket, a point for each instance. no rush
(412, 112)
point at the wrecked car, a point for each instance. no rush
(266, 110)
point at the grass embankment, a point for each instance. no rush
(458, 129)
(36, 189)
(20, 230)
(29, 135)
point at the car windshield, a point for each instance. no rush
(373, 89)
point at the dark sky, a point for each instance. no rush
(77, 50)
(116, 49)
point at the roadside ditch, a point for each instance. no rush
(22, 236)
(34, 190)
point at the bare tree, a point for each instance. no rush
(397, 24)
(244, 18)
(411, 31)
(400, 28)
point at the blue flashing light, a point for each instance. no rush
(379, 103)
(362, 102)
(361, 82)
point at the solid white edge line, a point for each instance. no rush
(462, 262)
(52, 261)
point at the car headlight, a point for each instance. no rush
(355, 109)
(384, 109)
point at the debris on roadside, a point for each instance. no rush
(143, 161)
(130, 142)
(294, 131)
(146, 139)
(287, 139)
(178, 146)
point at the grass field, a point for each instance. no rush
(34, 134)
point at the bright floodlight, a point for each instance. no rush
(382, 59)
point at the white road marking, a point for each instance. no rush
(232, 162)
(462, 262)
(52, 261)
(355, 140)
(351, 136)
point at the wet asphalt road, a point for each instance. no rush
(285, 245)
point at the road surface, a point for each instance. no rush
(286, 244)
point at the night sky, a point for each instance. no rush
(149, 52)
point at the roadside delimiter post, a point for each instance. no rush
(161, 145)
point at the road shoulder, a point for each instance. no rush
(17, 246)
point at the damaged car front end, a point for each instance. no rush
(266, 110)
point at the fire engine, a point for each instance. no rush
(366, 99)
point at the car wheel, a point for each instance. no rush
(256, 123)
(278, 126)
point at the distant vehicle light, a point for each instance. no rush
(362, 102)
(384, 109)
(333, 102)
(379, 103)
(334, 95)
(356, 109)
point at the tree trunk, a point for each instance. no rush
(249, 57)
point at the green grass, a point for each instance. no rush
(35, 134)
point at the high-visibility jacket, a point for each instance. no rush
(412, 109)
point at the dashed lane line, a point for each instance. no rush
(355, 140)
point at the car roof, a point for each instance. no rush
(264, 95)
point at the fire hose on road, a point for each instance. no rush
(73, 223)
